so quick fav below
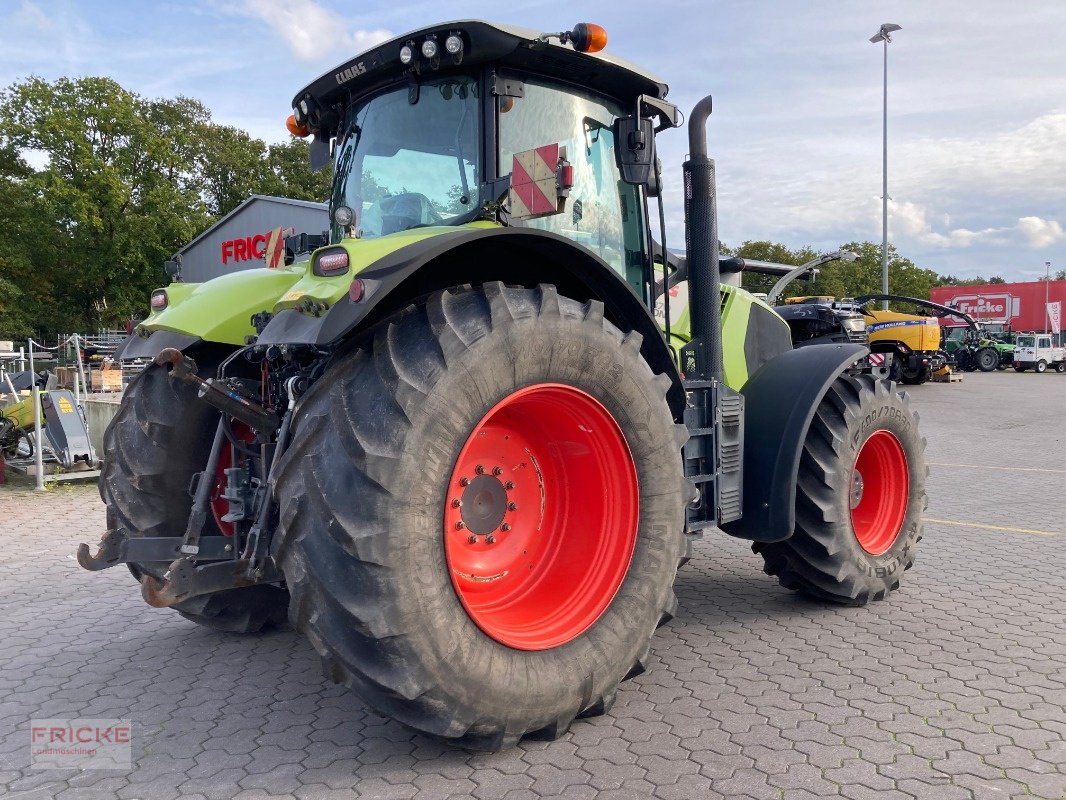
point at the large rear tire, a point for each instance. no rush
(159, 438)
(859, 496)
(987, 359)
(482, 514)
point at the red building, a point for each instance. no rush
(1010, 306)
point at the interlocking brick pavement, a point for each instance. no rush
(954, 687)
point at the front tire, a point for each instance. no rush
(915, 377)
(528, 418)
(160, 436)
(859, 497)
(1041, 366)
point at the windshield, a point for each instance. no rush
(403, 165)
(1026, 341)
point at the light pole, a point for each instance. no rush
(884, 34)
(1047, 297)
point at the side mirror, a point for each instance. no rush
(173, 269)
(635, 149)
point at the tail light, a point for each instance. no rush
(331, 263)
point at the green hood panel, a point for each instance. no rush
(220, 310)
(362, 253)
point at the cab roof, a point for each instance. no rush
(510, 46)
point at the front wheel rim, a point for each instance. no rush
(879, 505)
(540, 516)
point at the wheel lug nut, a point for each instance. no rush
(497, 471)
(505, 527)
(490, 539)
(473, 538)
(464, 481)
(512, 506)
(480, 470)
(509, 485)
(457, 503)
(460, 525)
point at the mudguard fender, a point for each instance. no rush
(779, 403)
(136, 346)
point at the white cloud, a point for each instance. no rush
(1040, 232)
(911, 222)
(31, 14)
(311, 30)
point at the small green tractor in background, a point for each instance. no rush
(973, 348)
(455, 448)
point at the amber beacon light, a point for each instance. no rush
(295, 128)
(588, 37)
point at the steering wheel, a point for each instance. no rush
(400, 212)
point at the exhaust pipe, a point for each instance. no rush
(701, 246)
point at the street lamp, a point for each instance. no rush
(1047, 297)
(884, 34)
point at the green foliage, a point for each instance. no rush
(102, 185)
(841, 278)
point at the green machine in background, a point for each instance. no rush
(66, 437)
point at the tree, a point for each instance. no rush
(231, 166)
(291, 175)
(114, 198)
(839, 278)
(125, 182)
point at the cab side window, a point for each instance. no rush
(603, 214)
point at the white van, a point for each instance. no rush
(1034, 350)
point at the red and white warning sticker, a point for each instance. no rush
(534, 182)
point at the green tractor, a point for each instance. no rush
(455, 448)
(973, 347)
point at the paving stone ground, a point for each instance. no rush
(954, 687)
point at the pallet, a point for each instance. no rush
(946, 376)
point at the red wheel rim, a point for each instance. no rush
(540, 517)
(220, 506)
(880, 490)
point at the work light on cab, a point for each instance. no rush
(343, 216)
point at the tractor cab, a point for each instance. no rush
(471, 121)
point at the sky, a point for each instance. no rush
(977, 100)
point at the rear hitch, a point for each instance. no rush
(184, 579)
(111, 551)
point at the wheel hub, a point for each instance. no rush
(483, 504)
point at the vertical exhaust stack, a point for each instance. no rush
(714, 453)
(701, 244)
